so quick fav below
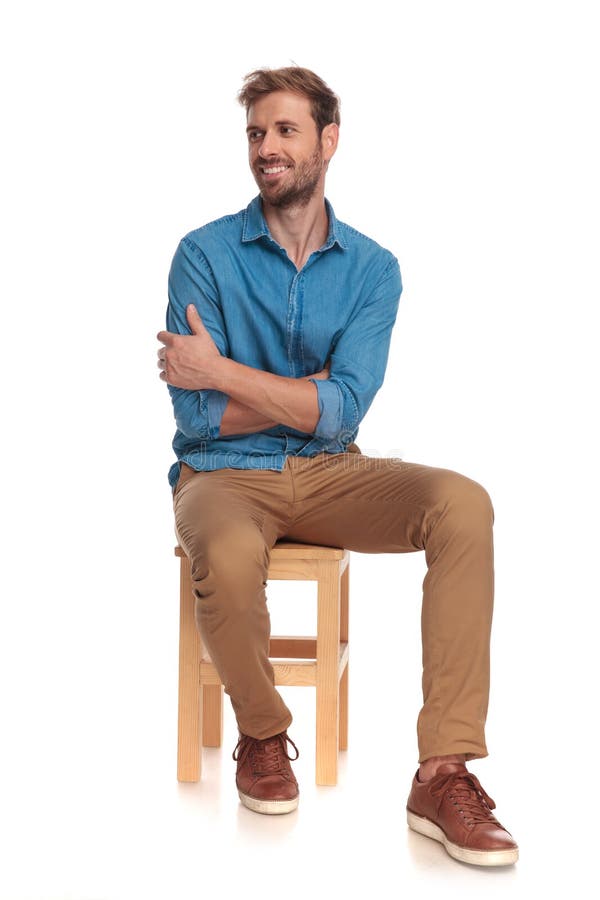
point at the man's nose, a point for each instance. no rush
(269, 146)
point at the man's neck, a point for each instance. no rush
(300, 230)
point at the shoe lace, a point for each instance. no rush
(265, 756)
(464, 790)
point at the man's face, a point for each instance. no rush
(287, 158)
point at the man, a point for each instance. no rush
(279, 325)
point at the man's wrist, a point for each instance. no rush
(219, 373)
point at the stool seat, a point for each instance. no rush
(319, 661)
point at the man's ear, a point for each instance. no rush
(329, 140)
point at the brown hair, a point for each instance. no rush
(324, 104)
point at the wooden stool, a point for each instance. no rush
(321, 662)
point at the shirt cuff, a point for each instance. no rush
(216, 401)
(331, 407)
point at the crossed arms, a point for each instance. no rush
(257, 399)
(214, 396)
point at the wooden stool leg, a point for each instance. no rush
(344, 585)
(190, 706)
(328, 641)
(212, 715)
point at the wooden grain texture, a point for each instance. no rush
(345, 641)
(212, 715)
(190, 707)
(328, 641)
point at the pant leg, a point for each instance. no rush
(226, 522)
(376, 505)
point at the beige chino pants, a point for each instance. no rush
(228, 520)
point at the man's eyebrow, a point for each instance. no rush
(279, 122)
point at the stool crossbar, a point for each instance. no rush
(320, 662)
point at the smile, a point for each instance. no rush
(273, 170)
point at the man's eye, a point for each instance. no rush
(253, 135)
(286, 129)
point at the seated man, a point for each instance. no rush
(279, 325)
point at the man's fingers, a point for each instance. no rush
(162, 361)
(194, 320)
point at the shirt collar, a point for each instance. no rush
(255, 225)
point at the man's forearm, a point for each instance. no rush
(277, 399)
(241, 419)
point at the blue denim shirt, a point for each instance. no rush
(262, 312)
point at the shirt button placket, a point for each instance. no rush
(294, 325)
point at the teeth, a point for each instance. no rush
(274, 169)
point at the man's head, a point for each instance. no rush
(324, 104)
(293, 126)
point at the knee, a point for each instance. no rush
(466, 501)
(229, 569)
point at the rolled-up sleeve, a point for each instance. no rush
(358, 361)
(198, 414)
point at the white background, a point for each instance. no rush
(469, 147)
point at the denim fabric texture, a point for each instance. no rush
(262, 312)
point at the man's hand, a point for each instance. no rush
(188, 360)
(320, 376)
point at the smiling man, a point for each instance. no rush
(279, 325)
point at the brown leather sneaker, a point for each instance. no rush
(453, 808)
(265, 781)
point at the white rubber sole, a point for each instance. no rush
(474, 857)
(269, 807)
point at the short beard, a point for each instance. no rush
(303, 190)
